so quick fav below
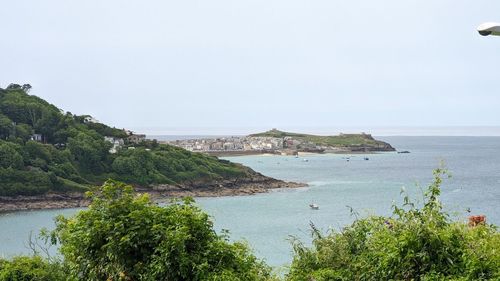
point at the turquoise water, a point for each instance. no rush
(267, 221)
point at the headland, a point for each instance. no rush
(284, 143)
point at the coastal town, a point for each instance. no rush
(271, 143)
(243, 145)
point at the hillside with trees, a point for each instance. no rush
(44, 149)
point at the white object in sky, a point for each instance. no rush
(489, 28)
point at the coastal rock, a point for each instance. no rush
(256, 183)
(46, 201)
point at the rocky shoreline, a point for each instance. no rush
(230, 187)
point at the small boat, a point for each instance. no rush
(314, 206)
(366, 158)
(305, 160)
(404, 151)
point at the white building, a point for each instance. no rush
(90, 119)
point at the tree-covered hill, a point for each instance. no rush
(43, 148)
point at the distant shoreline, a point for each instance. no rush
(159, 193)
(279, 142)
(258, 153)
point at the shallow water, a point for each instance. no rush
(267, 221)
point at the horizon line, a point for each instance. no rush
(420, 131)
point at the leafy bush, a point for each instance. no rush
(9, 156)
(168, 164)
(18, 182)
(127, 237)
(413, 244)
(30, 269)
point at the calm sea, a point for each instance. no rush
(268, 221)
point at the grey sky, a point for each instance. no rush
(195, 65)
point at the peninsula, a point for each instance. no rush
(285, 143)
(50, 157)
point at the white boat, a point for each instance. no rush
(314, 206)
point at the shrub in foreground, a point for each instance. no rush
(122, 236)
(413, 244)
(30, 269)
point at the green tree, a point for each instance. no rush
(48, 124)
(136, 165)
(30, 269)
(9, 156)
(90, 152)
(23, 132)
(6, 126)
(22, 182)
(126, 237)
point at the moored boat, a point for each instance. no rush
(314, 206)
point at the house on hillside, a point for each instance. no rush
(37, 137)
(90, 119)
(133, 138)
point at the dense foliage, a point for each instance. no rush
(169, 164)
(126, 237)
(413, 244)
(73, 154)
(31, 269)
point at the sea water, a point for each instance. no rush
(343, 186)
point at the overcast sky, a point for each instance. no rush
(219, 66)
